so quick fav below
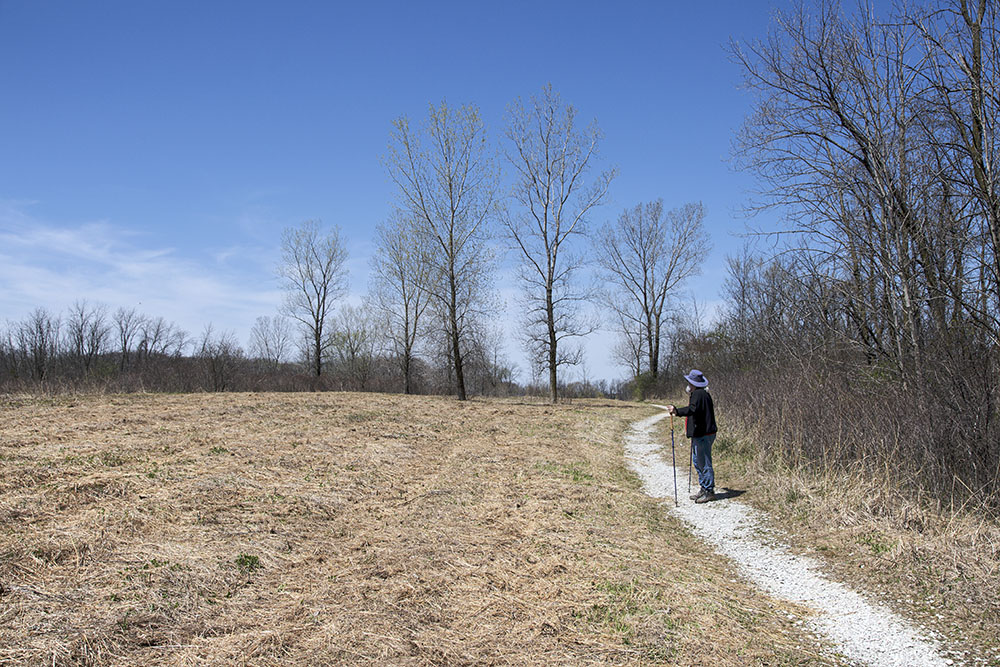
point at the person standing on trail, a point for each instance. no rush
(700, 419)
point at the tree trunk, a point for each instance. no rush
(406, 372)
(550, 321)
(317, 352)
(654, 357)
(407, 349)
(455, 349)
(459, 375)
(649, 339)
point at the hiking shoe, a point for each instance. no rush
(696, 496)
(705, 496)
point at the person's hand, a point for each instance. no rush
(671, 410)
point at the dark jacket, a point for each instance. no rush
(700, 413)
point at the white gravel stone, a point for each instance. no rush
(863, 631)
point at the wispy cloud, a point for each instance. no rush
(48, 264)
(51, 264)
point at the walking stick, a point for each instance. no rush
(673, 459)
(690, 461)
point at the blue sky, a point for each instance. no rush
(151, 153)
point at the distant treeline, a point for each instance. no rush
(91, 348)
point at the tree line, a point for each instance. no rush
(864, 332)
(463, 204)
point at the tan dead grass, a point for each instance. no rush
(303, 529)
(939, 567)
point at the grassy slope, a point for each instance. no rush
(285, 529)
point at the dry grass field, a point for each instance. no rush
(305, 529)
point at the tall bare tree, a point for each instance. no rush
(645, 257)
(863, 145)
(962, 42)
(552, 158)
(447, 182)
(400, 288)
(314, 275)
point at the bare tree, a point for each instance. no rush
(489, 369)
(551, 157)
(645, 257)
(630, 346)
(87, 332)
(9, 362)
(38, 342)
(867, 143)
(400, 288)
(447, 182)
(314, 276)
(159, 338)
(628, 351)
(270, 339)
(220, 356)
(354, 339)
(962, 43)
(128, 322)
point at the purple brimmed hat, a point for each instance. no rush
(696, 379)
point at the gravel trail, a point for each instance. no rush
(863, 631)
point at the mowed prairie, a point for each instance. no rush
(277, 529)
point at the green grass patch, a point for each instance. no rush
(877, 541)
(248, 563)
(575, 471)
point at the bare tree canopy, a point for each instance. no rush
(128, 322)
(270, 340)
(400, 284)
(158, 338)
(551, 158)
(875, 139)
(87, 332)
(220, 356)
(354, 344)
(447, 182)
(38, 341)
(645, 257)
(314, 275)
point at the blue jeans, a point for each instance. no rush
(701, 456)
